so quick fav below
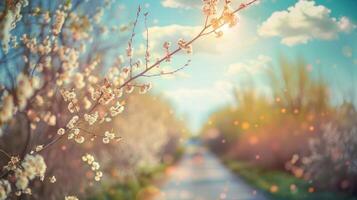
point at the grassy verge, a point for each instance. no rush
(285, 186)
(143, 187)
(139, 188)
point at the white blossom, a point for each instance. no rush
(7, 109)
(91, 118)
(24, 90)
(72, 122)
(61, 131)
(59, 20)
(34, 166)
(70, 198)
(5, 189)
(116, 109)
(52, 179)
(8, 23)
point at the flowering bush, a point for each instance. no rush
(63, 84)
(334, 152)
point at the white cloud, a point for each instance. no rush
(203, 99)
(199, 102)
(249, 67)
(185, 4)
(303, 22)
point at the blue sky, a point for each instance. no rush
(323, 32)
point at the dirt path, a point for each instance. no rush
(201, 176)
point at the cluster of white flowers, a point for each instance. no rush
(74, 134)
(5, 189)
(45, 47)
(39, 148)
(61, 131)
(108, 136)
(59, 21)
(8, 23)
(31, 167)
(5, 27)
(91, 118)
(183, 45)
(7, 108)
(71, 98)
(129, 88)
(69, 58)
(12, 164)
(116, 109)
(87, 104)
(125, 72)
(210, 7)
(89, 159)
(49, 118)
(78, 31)
(70, 198)
(78, 80)
(30, 44)
(52, 179)
(217, 21)
(229, 17)
(72, 122)
(95, 93)
(25, 89)
(107, 95)
(34, 166)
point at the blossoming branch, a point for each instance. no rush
(60, 86)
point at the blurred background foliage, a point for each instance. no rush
(152, 140)
(296, 131)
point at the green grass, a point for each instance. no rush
(140, 187)
(263, 180)
(131, 189)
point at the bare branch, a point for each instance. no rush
(147, 54)
(170, 72)
(130, 43)
(157, 63)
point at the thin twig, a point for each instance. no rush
(147, 42)
(96, 135)
(170, 72)
(5, 153)
(130, 43)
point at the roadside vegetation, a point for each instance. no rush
(296, 142)
(281, 185)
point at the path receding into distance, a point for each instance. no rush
(201, 176)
